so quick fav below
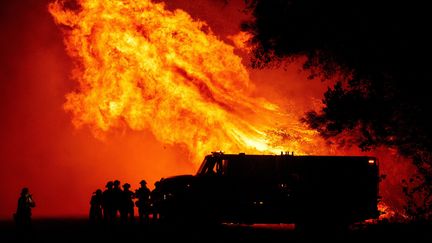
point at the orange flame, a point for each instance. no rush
(240, 41)
(144, 67)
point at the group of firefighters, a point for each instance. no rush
(113, 201)
(104, 205)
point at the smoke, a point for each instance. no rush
(39, 147)
(142, 66)
(61, 165)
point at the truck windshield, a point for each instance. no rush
(202, 166)
(212, 166)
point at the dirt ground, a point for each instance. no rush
(80, 230)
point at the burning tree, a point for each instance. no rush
(140, 66)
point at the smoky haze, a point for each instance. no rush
(40, 148)
(61, 165)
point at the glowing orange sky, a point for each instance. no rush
(61, 165)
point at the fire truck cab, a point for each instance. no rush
(241, 188)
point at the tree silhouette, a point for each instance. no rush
(380, 51)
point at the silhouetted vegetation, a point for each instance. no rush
(379, 51)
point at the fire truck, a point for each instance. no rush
(286, 188)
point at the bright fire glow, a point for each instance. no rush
(140, 66)
(240, 41)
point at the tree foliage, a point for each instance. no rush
(383, 48)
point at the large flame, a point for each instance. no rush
(144, 67)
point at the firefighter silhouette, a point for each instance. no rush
(127, 204)
(154, 196)
(108, 202)
(143, 202)
(95, 214)
(24, 209)
(117, 194)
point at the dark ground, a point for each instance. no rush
(79, 230)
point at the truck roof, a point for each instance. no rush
(290, 157)
(255, 164)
